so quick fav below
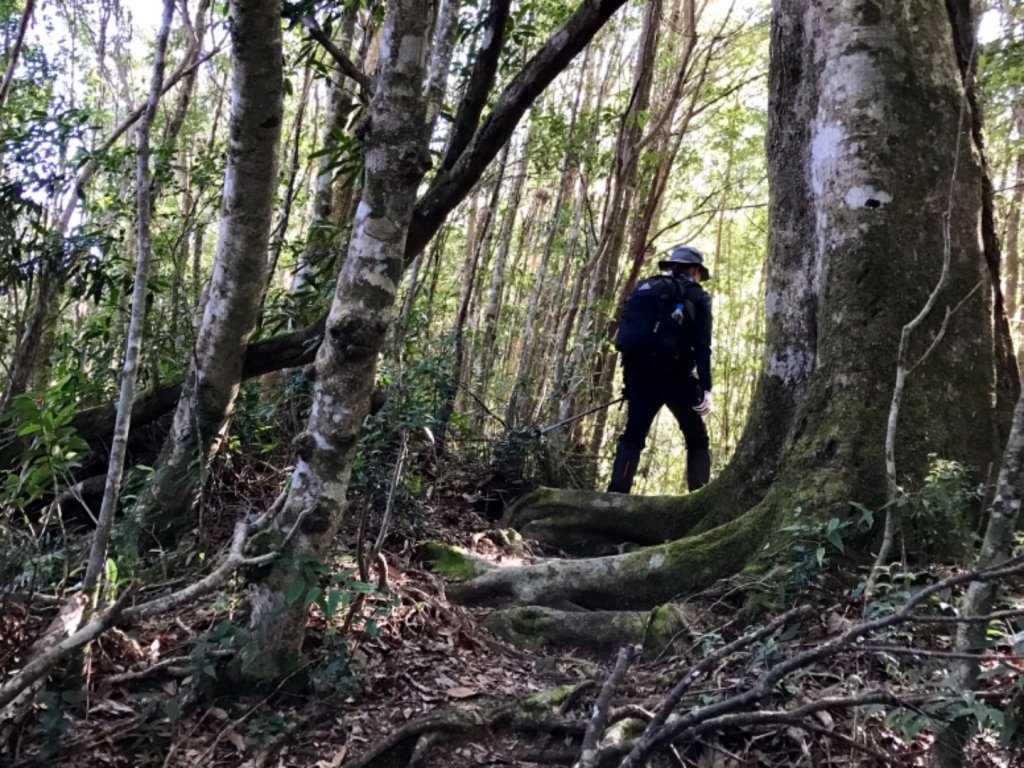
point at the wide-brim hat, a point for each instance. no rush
(689, 256)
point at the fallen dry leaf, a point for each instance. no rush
(462, 692)
(236, 739)
(335, 761)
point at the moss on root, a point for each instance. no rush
(588, 522)
(451, 561)
(541, 628)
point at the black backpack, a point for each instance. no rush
(657, 321)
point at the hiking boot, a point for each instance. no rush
(698, 469)
(627, 456)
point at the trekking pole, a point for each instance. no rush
(579, 416)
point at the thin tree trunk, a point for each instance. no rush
(239, 272)
(15, 52)
(495, 291)
(446, 30)
(327, 205)
(519, 399)
(469, 280)
(560, 385)
(996, 548)
(396, 159)
(1011, 250)
(133, 346)
(280, 229)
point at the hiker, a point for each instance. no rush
(665, 333)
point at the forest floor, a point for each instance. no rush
(157, 696)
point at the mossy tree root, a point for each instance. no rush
(633, 581)
(540, 628)
(537, 713)
(588, 523)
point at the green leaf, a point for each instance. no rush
(295, 591)
(835, 540)
(333, 601)
(312, 595)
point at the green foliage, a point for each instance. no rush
(812, 544)
(51, 447)
(334, 593)
(39, 428)
(936, 518)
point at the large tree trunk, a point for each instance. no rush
(240, 266)
(870, 150)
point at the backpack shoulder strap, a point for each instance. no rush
(685, 293)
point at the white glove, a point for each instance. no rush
(704, 407)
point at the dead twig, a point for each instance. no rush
(345, 64)
(41, 664)
(599, 719)
(735, 709)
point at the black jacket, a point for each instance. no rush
(695, 354)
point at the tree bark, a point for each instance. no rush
(396, 158)
(239, 272)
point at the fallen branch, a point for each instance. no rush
(596, 726)
(450, 721)
(41, 665)
(119, 614)
(173, 665)
(236, 559)
(664, 730)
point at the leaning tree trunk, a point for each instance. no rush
(133, 344)
(870, 151)
(396, 159)
(239, 270)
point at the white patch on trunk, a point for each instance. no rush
(299, 473)
(790, 365)
(488, 39)
(826, 150)
(657, 560)
(411, 50)
(362, 211)
(858, 197)
(377, 276)
(321, 442)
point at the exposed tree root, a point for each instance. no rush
(536, 627)
(531, 715)
(587, 522)
(636, 580)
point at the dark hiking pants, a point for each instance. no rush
(646, 393)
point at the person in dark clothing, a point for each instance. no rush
(651, 383)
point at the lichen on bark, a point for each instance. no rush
(395, 159)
